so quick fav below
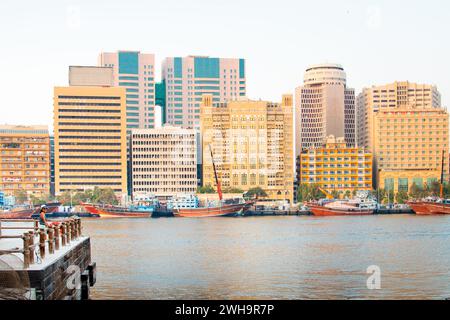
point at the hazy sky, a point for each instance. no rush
(376, 42)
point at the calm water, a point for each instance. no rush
(270, 257)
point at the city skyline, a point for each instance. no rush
(288, 38)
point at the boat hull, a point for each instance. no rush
(322, 211)
(222, 211)
(429, 208)
(28, 213)
(110, 213)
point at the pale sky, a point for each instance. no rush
(377, 42)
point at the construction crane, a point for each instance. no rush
(326, 193)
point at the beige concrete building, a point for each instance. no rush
(408, 144)
(324, 106)
(404, 126)
(25, 159)
(164, 161)
(252, 143)
(392, 95)
(90, 137)
(337, 167)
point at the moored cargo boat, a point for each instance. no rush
(319, 210)
(433, 205)
(27, 213)
(221, 208)
(354, 207)
(115, 212)
(430, 206)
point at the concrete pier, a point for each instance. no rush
(40, 263)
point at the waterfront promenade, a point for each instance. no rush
(40, 257)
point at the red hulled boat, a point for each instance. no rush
(430, 205)
(215, 211)
(114, 212)
(339, 210)
(27, 213)
(224, 207)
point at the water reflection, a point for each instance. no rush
(270, 257)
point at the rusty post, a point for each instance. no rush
(31, 245)
(70, 227)
(51, 248)
(56, 228)
(63, 234)
(26, 251)
(74, 232)
(79, 227)
(67, 225)
(42, 244)
(36, 225)
(71, 230)
(75, 228)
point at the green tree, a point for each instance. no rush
(40, 200)
(21, 196)
(206, 189)
(401, 197)
(347, 194)
(104, 195)
(415, 191)
(232, 190)
(256, 192)
(434, 188)
(446, 190)
(64, 197)
(308, 192)
(385, 196)
(335, 194)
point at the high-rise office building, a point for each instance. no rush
(324, 106)
(252, 143)
(135, 72)
(392, 95)
(25, 159)
(164, 161)
(337, 167)
(186, 79)
(90, 133)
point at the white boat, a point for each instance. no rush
(183, 201)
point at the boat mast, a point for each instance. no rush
(442, 176)
(219, 189)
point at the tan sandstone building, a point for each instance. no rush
(252, 143)
(406, 128)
